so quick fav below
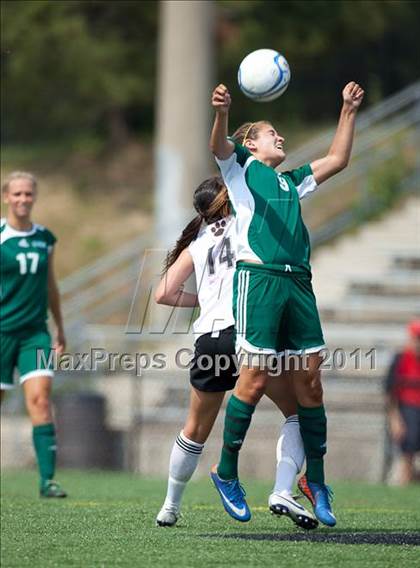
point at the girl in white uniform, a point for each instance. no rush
(207, 248)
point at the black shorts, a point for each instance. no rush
(411, 441)
(213, 368)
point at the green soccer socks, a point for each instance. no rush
(237, 420)
(313, 428)
(45, 449)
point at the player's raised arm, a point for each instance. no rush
(221, 147)
(339, 154)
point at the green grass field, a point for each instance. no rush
(108, 520)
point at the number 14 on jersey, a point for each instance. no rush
(225, 255)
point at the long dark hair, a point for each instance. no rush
(211, 203)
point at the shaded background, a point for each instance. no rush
(74, 69)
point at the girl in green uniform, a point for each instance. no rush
(274, 305)
(28, 289)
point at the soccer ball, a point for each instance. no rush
(263, 75)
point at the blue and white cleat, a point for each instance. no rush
(232, 495)
(320, 495)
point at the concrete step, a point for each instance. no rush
(391, 285)
(376, 310)
(408, 274)
(384, 302)
(349, 335)
(407, 261)
(332, 286)
(375, 252)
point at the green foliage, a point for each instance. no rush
(327, 43)
(70, 66)
(73, 66)
(384, 183)
(381, 189)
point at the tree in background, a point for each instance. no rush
(72, 67)
(327, 43)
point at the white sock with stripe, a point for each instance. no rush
(182, 464)
(290, 456)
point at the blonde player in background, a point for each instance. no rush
(28, 288)
(207, 248)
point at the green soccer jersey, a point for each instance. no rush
(24, 276)
(269, 222)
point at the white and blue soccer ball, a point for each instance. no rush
(263, 75)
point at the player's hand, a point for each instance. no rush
(220, 99)
(60, 342)
(353, 95)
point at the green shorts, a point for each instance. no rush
(29, 351)
(275, 310)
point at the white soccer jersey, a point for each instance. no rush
(213, 254)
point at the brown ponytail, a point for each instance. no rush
(188, 235)
(211, 203)
(219, 207)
